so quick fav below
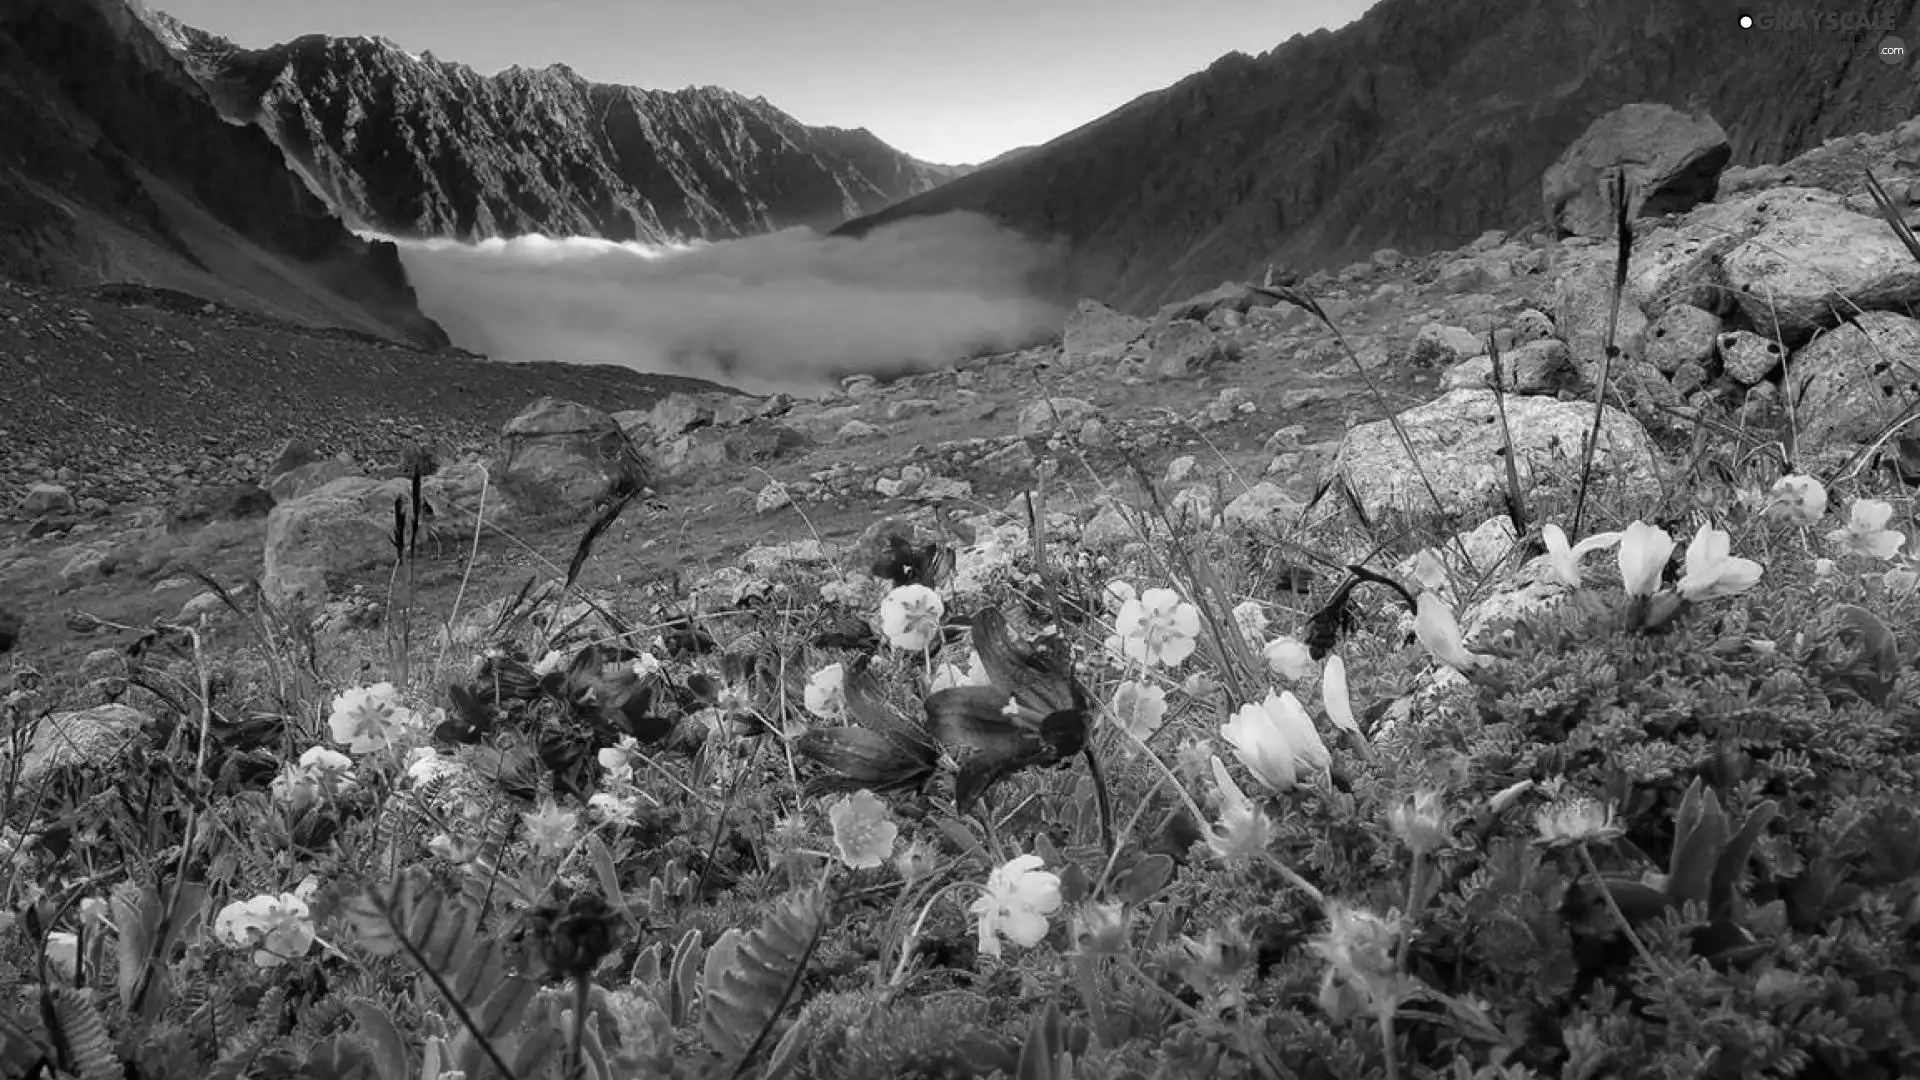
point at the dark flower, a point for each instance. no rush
(903, 563)
(880, 752)
(574, 939)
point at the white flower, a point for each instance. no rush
(1565, 558)
(947, 675)
(1018, 899)
(1711, 572)
(369, 718)
(319, 769)
(863, 830)
(1139, 708)
(1288, 658)
(1439, 631)
(1157, 628)
(1644, 551)
(617, 809)
(1797, 500)
(277, 927)
(1900, 583)
(1867, 533)
(1276, 740)
(910, 617)
(1333, 694)
(1245, 831)
(549, 664)
(1429, 571)
(645, 664)
(826, 693)
(1118, 595)
(1251, 617)
(550, 830)
(425, 764)
(63, 953)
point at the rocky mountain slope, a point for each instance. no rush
(418, 147)
(1416, 127)
(115, 166)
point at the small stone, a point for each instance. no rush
(1748, 357)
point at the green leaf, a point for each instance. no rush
(389, 1049)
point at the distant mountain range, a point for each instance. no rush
(115, 167)
(1417, 127)
(413, 146)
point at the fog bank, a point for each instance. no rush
(791, 310)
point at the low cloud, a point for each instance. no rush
(791, 310)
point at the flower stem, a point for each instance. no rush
(1613, 906)
(1416, 884)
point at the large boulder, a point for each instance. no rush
(1183, 349)
(315, 542)
(1815, 261)
(46, 499)
(291, 483)
(1096, 332)
(95, 737)
(1673, 162)
(1854, 379)
(1458, 444)
(1050, 415)
(563, 457)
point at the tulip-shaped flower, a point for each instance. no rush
(1439, 631)
(1276, 740)
(1565, 558)
(1644, 551)
(1711, 571)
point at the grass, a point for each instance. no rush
(607, 831)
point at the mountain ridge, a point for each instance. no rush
(1418, 126)
(413, 146)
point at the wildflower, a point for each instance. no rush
(618, 759)
(1018, 900)
(1565, 558)
(1429, 571)
(551, 664)
(910, 615)
(1644, 551)
(1824, 567)
(914, 861)
(1900, 583)
(1118, 595)
(1358, 947)
(454, 851)
(1439, 631)
(1251, 618)
(1288, 657)
(572, 940)
(645, 664)
(550, 830)
(1420, 822)
(947, 676)
(1190, 760)
(63, 953)
(1198, 686)
(1245, 831)
(1157, 628)
(1100, 929)
(425, 764)
(826, 693)
(1334, 695)
(368, 718)
(1140, 708)
(1576, 821)
(1276, 739)
(615, 809)
(319, 770)
(862, 833)
(93, 913)
(1867, 533)
(1797, 500)
(277, 927)
(1711, 572)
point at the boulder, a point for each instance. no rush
(1538, 367)
(1051, 415)
(46, 499)
(1183, 349)
(681, 412)
(559, 456)
(1440, 346)
(1582, 295)
(1683, 334)
(226, 502)
(1458, 443)
(315, 542)
(1264, 504)
(290, 484)
(1096, 333)
(1673, 162)
(1815, 261)
(87, 737)
(292, 454)
(1748, 357)
(1852, 380)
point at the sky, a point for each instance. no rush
(948, 81)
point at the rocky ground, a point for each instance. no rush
(146, 433)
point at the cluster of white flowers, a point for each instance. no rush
(277, 926)
(320, 771)
(619, 801)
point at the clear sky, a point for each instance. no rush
(950, 81)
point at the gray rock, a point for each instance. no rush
(1263, 504)
(1097, 333)
(1388, 257)
(291, 484)
(1583, 285)
(1438, 346)
(1854, 379)
(88, 737)
(1184, 349)
(292, 454)
(1094, 434)
(1749, 357)
(1683, 335)
(1538, 367)
(1013, 460)
(46, 499)
(856, 431)
(559, 456)
(1050, 415)
(1815, 261)
(1457, 441)
(1673, 163)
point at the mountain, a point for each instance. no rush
(116, 167)
(1417, 127)
(413, 146)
